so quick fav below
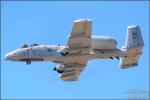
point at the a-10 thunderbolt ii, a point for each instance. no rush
(80, 48)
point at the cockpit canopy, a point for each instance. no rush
(26, 46)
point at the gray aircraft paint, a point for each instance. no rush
(75, 54)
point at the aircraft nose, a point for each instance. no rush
(9, 56)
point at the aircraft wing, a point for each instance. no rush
(72, 71)
(79, 40)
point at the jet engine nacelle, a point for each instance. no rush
(103, 42)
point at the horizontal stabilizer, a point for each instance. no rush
(129, 61)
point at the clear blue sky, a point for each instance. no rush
(50, 23)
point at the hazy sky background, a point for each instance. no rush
(50, 23)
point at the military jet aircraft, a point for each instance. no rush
(81, 47)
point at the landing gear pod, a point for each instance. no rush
(59, 69)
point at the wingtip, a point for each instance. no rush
(82, 20)
(133, 26)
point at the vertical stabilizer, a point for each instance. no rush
(133, 37)
(133, 46)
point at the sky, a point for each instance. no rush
(50, 23)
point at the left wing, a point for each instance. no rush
(79, 40)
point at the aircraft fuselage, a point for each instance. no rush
(51, 53)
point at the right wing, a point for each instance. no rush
(72, 71)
